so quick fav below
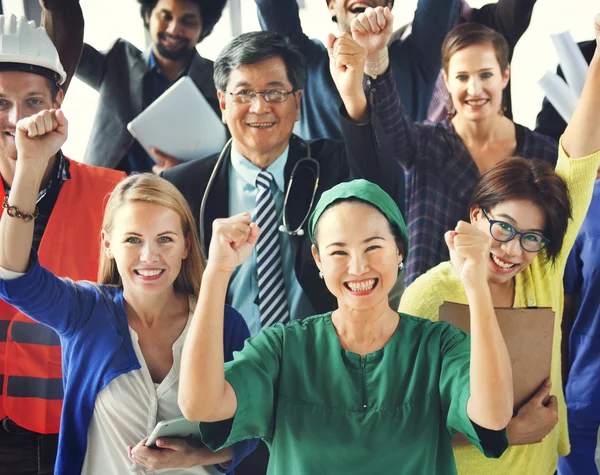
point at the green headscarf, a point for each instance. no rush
(369, 193)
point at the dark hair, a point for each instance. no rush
(210, 11)
(257, 46)
(469, 34)
(54, 88)
(528, 180)
(353, 199)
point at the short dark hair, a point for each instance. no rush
(399, 240)
(210, 11)
(528, 180)
(257, 46)
(469, 34)
(54, 88)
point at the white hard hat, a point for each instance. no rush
(25, 47)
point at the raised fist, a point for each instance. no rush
(469, 252)
(346, 63)
(232, 242)
(40, 136)
(373, 29)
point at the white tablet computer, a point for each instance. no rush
(180, 123)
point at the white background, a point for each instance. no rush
(107, 20)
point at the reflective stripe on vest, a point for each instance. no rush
(43, 388)
(30, 353)
(33, 334)
(4, 330)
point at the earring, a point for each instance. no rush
(321, 274)
(450, 111)
(401, 267)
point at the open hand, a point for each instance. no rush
(469, 252)
(40, 136)
(232, 242)
(164, 161)
(373, 29)
(535, 419)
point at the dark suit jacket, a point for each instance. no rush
(365, 154)
(118, 74)
(549, 122)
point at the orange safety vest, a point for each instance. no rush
(31, 388)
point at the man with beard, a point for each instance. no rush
(129, 80)
(415, 62)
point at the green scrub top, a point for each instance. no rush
(323, 409)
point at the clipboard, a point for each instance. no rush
(528, 333)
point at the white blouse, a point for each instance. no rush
(127, 410)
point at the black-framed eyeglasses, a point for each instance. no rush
(272, 95)
(502, 231)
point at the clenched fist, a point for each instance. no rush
(469, 252)
(373, 29)
(40, 136)
(232, 242)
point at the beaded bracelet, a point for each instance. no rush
(14, 212)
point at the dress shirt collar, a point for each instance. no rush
(249, 172)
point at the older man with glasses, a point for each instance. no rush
(274, 176)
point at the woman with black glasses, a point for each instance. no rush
(531, 215)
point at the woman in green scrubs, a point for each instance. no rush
(362, 389)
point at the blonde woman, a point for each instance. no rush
(121, 338)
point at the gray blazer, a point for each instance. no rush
(118, 75)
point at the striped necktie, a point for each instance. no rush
(271, 287)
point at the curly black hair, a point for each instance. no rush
(211, 11)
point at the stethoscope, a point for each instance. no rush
(284, 227)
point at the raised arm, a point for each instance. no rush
(433, 20)
(38, 138)
(491, 402)
(372, 29)
(283, 17)
(204, 394)
(63, 21)
(582, 135)
(510, 18)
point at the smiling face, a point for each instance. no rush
(358, 255)
(344, 11)
(507, 259)
(261, 130)
(148, 246)
(21, 95)
(175, 27)
(475, 82)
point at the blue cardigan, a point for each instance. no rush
(96, 347)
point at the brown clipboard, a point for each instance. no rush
(528, 333)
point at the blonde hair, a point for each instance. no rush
(149, 188)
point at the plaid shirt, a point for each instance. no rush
(440, 174)
(47, 198)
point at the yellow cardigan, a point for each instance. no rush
(541, 284)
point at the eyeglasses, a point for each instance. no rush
(272, 95)
(502, 231)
